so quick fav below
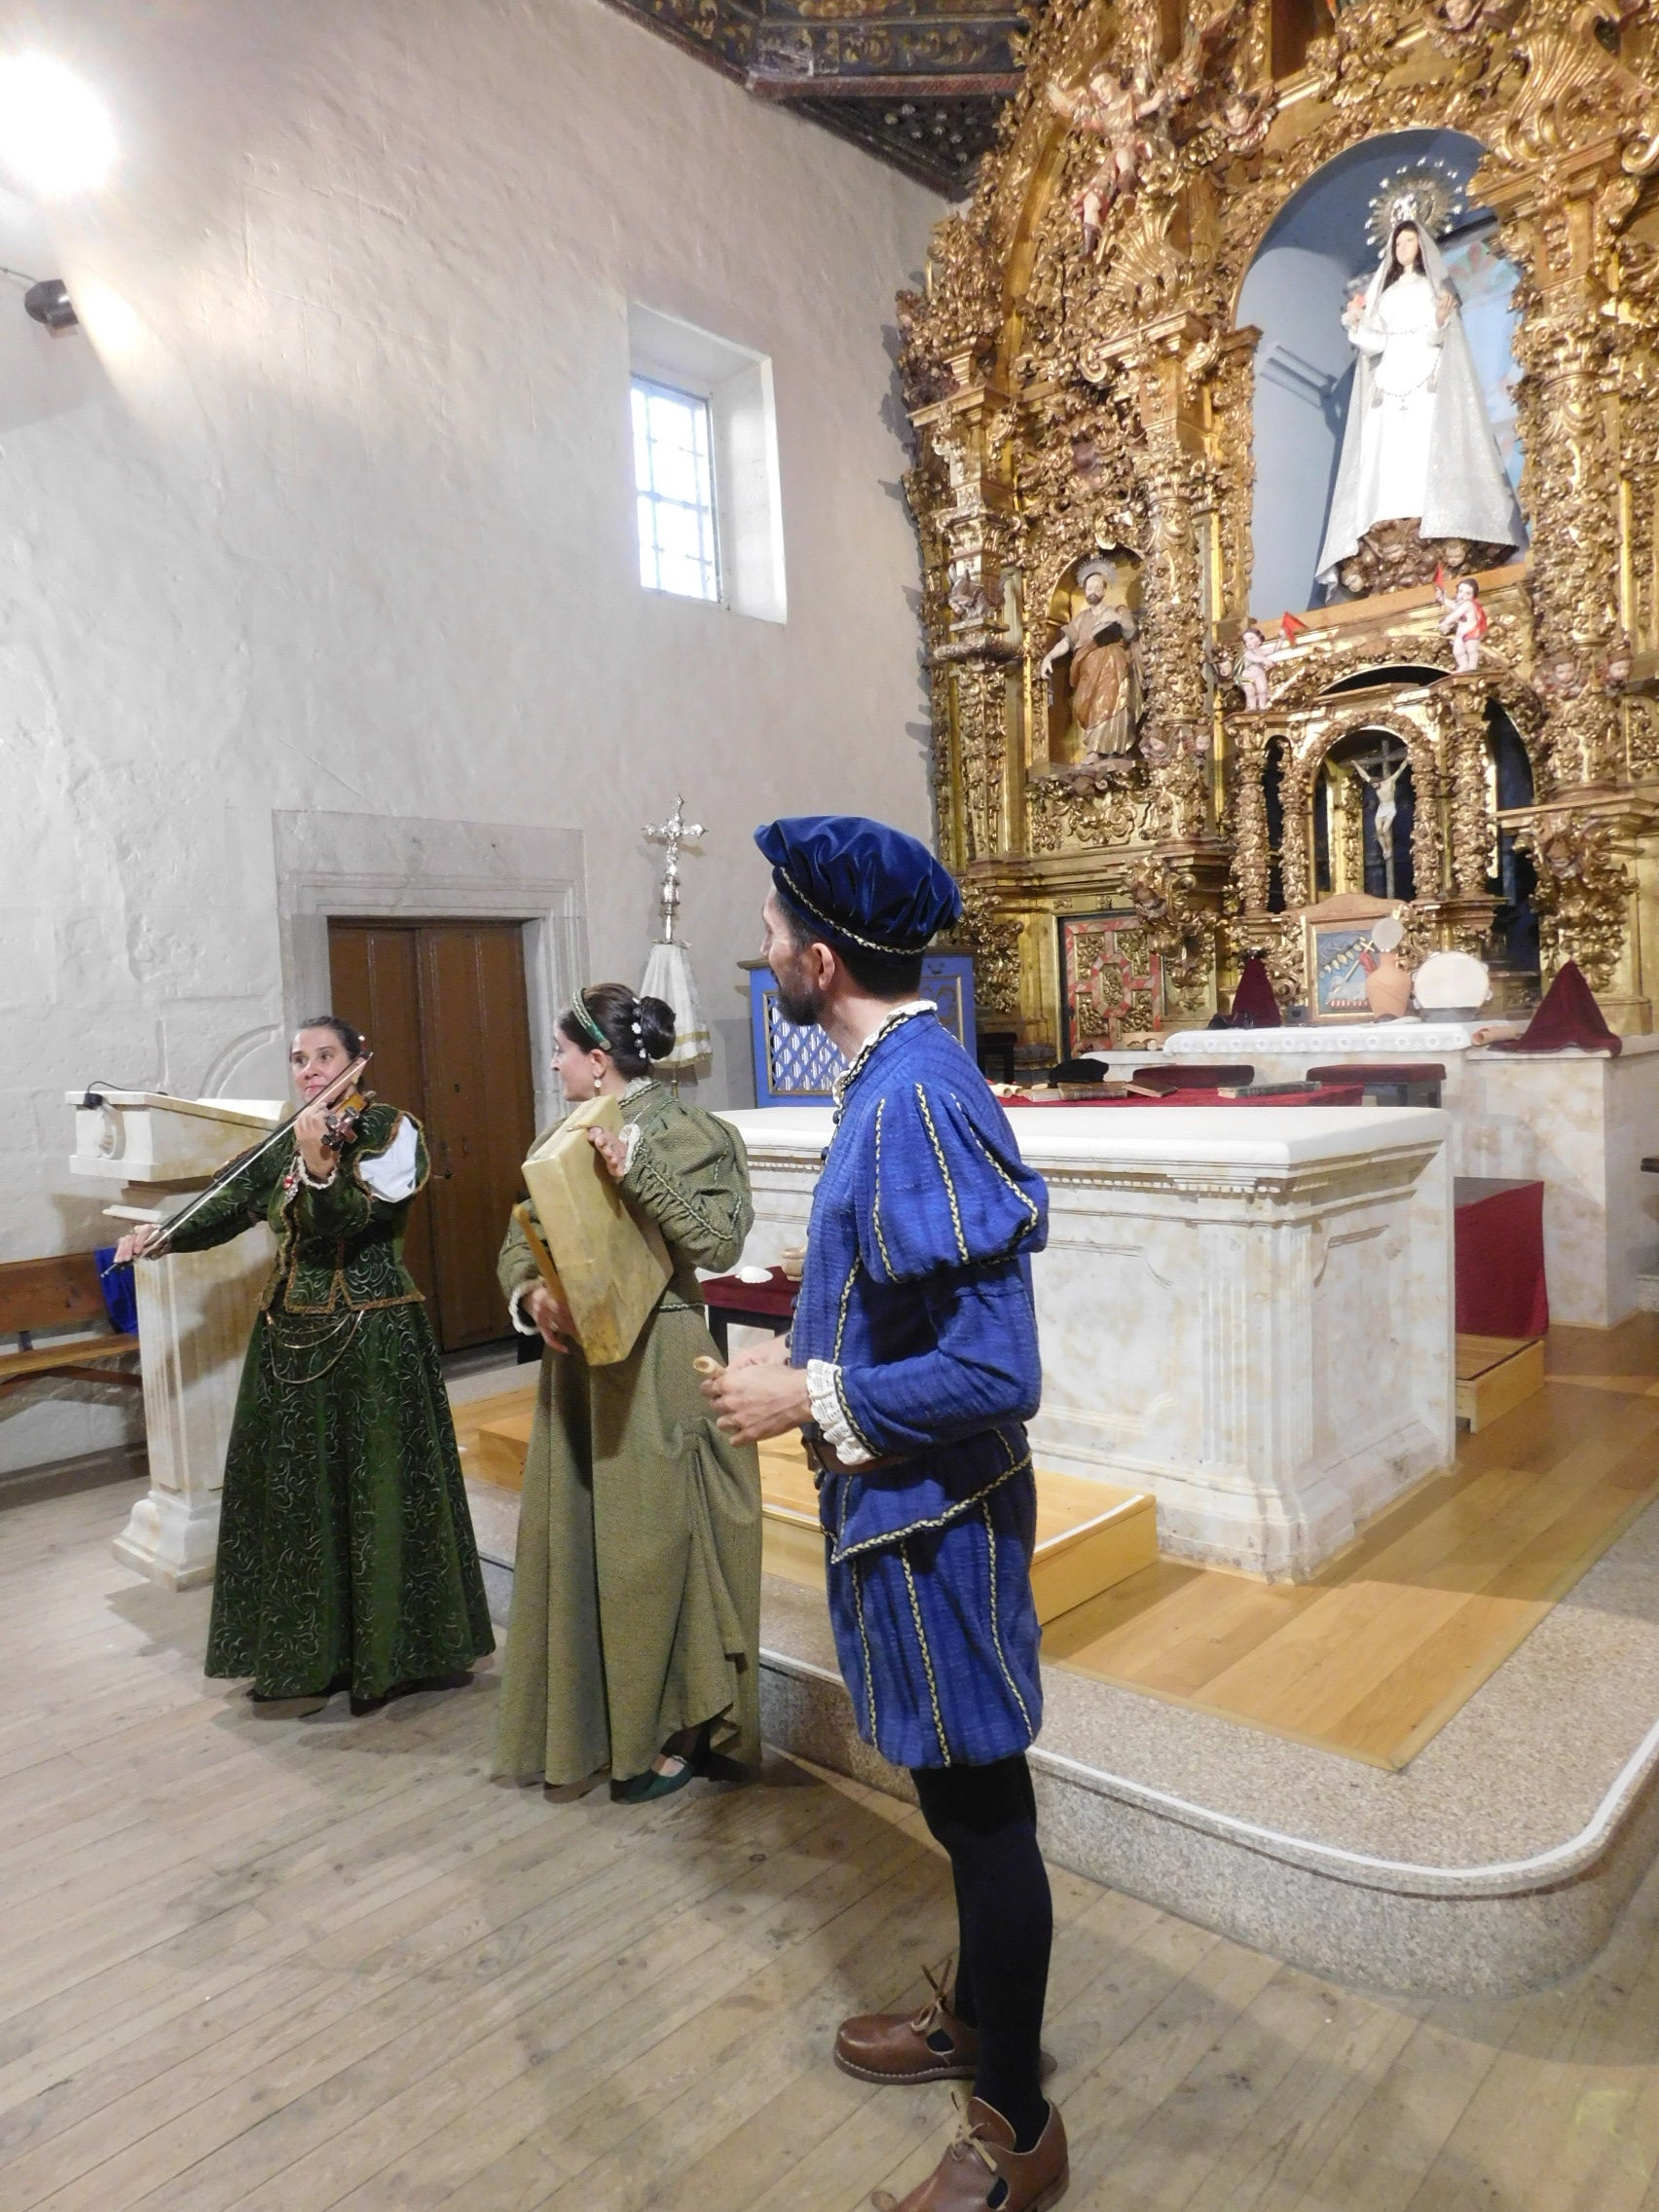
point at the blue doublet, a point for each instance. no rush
(917, 1286)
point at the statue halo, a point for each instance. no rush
(1428, 195)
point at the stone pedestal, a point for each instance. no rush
(195, 1312)
(1580, 1123)
(1246, 1310)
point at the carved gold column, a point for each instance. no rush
(962, 434)
(1466, 906)
(1556, 217)
(1295, 792)
(1252, 867)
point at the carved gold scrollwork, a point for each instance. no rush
(1181, 930)
(1074, 391)
(993, 940)
(1582, 894)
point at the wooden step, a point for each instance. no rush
(1495, 1375)
(501, 1447)
(1089, 1535)
(492, 1434)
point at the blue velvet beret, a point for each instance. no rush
(858, 882)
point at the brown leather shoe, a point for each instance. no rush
(983, 2156)
(894, 2047)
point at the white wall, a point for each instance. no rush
(328, 508)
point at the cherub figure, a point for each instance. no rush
(1117, 106)
(1112, 108)
(1250, 666)
(1561, 676)
(1247, 116)
(1613, 671)
(1465, 621)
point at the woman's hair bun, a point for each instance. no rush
(656, 1028)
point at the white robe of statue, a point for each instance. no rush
(1419, 441)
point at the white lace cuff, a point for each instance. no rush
(317, 1182)
(629, 1144)
(829, 1412)
(515, 1315)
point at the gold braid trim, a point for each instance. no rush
(996, 1631)
(902, 1536)
(876, 1202)
(949, 1186)
(927, 1655)
(864, 1639)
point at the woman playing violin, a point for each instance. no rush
(345, 1552)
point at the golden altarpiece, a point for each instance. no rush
(1084, 387)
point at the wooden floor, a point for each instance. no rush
(1377, 1654)
(256, 1959)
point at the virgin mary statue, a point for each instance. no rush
(1419, 444)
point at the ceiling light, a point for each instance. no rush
(56, 134)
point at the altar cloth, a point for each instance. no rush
(1498, 1228)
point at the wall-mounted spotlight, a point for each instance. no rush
(49, 302)
(47, 299)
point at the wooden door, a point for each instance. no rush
(442, 1004)
(374, 973)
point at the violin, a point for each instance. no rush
(341, 1120)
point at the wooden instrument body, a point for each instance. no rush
(594, 1252)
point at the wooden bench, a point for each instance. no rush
(39, 1295)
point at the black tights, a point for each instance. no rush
(987, 1819)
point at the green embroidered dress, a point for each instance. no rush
(346, 1550)
(637, 1584)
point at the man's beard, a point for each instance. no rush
(800, 1003)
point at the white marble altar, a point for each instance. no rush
(1247, 1310)
(1579, 1122)
(195, 1310)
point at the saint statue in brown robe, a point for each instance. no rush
(1103, 640)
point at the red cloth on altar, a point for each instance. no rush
(1254, 1005)
(1498, 1228)
(773, 1299)
(1331, 1095)
(1567, 1017)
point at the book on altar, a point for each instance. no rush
(594, 1252)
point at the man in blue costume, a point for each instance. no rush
(911, 1368)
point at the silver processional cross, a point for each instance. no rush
(672, 835)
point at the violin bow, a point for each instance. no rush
(336, 1090)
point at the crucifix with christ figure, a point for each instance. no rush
(1381, 768)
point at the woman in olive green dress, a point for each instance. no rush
(347, 1558)
(634, 1640)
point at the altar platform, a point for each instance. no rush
(1430, 1769)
